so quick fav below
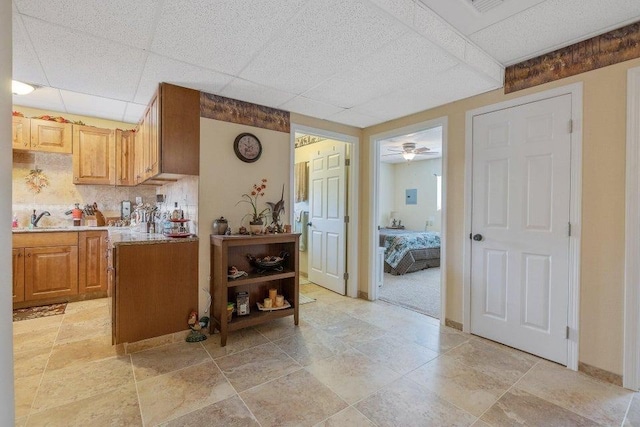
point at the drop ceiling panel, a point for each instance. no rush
(124, 21)
(252, 92)
(45, 98)
(26, 66)
(84, 63)
(89, 105)
(353, 118)
(133, 113)
(401, 63)
(553, 24)
(483, 62)
(326, 37)
(404, 10)
(310, 107)
(432, 26)
(159, 69)
(222, 35)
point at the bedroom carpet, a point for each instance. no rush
(418, 291)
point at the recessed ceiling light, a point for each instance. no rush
(19, 88)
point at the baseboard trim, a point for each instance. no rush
(600, 374)
(453, 324)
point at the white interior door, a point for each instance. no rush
(327, 178)
(520, 226)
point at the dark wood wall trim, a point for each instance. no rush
(244, 113)
(610, 48)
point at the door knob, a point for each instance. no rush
(477, 237)
(309, 224)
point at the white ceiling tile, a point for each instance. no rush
(404, 10)
(309, 107)
(133, 112)
(84, 63)
(93, 106)
(159, 69)
(252, 92)
(26, 66)
(353, 118)
(429, 24)
(552, 24)
(124, 21)
(328, 36)
(45, 98)
(404, 62)
(483, 62)
(223, 35)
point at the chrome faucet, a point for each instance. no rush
(35, 219)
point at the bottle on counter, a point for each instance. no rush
(14, 223)
(177, 212)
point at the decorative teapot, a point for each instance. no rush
(220, 226)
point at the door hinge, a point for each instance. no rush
(571, 126)
(569, 230)
(347, 162)
(345, 276)
(567, 333)
(346, 219)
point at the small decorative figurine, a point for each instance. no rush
(195, 335)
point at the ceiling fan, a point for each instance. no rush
(409, 151)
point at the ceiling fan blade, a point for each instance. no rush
(421, 150)
(391, 154)
(395, 150)
(427, 153)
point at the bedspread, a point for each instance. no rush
(397, 245)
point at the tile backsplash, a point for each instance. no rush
(61, 194)
(184, 192)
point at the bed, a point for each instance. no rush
(407, 251)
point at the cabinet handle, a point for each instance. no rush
(19, 255)
(29, 255)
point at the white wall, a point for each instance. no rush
(386, 198)
(6, 301)
(418, 175)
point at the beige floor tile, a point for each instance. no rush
(437, 338)
(349, 417)
(168, 358)
(134, 347)
(116, 407)
(517, 407)
(169, 396)
(30, 362)
(602, 402)
(25, 390)
(381, 314)
(396, 353)
(506, 365)
(256, 366)
(35, 339)
(21, 422)
(74, 307)
(37, 324)
(90, 312)
(633, 414)
(352, 375)
(464, 386)
(280, 328)
(82, 351)
(286, 401)
(355, 331)
(311, 345)
(231, 412)
(83, 330)
(82, 380)
(405, 403)
(321, 315)
(236, 341)
(480, 423)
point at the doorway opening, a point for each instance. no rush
(409, 217)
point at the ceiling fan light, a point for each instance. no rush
(19, 88)
(408, 156)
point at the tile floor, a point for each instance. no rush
(348, 363)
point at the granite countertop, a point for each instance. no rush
(117, 235)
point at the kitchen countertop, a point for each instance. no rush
(117, 235)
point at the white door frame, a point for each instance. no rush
(352, 198)
(575, 214)
(374, 205)
(631, 361)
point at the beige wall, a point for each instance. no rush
(602, 263)
(386, 193)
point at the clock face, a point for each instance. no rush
(247, 147)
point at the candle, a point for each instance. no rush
(279, 300)
(272, 294)
(268, 303)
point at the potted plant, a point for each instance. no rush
(256, 217)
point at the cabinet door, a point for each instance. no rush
(93, 156)
(153, 167)
(18, 274)
(50, 272)
(125, 157)
(92, 261)
(51, 136)
(20, 133)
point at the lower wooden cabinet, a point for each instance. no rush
(92, 261)
(18, 274)
(50, 272)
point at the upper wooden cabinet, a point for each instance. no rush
(93, 155)
(20, 133)
(51, 136)
(125, 157)
(169, 135)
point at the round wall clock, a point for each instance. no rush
(247, 147)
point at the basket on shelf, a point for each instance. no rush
(268, 263)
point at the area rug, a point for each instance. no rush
(303, 299)
(418, 291)
(35, 312)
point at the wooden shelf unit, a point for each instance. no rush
(232, 250)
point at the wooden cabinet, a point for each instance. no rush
(232, 250)
(156, 287)
(20, 133)
(125, 157)
(92, 261)
(93, 155)
(18, 274)
(51, 136)
(50, 271)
